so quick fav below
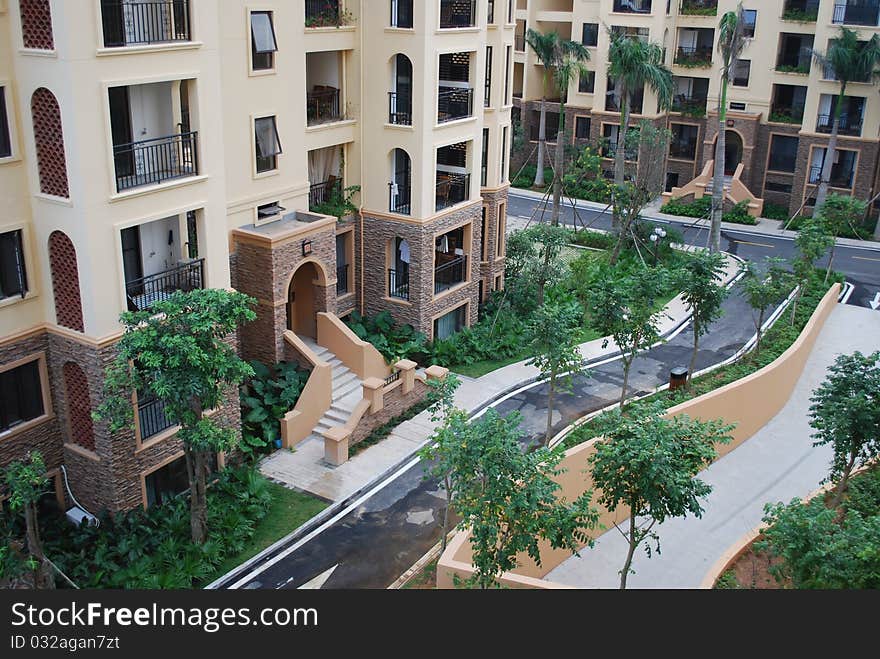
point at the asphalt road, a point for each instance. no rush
(370, 541)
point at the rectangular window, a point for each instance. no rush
(508, 57)
(783, 153)
(484, 238)
(268, 144)
(21, 395)
(166, 482)
(5, 134)
(501, 222)
(773, 186)
(503, 154)
(684, 141)
(13, 277)
(741, 71)
(484, 167)
(448, 324)
(582, 128)
(591, 34)
(263, 45)
(487, 97)
(587, 83)
(671, 181)
(750, 19)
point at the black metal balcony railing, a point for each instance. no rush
(322, 12)
(452, 189)
(633, 6)
(399, 109)
(144, 292)
(805, 11)
(342, 279)
(402, 201)
(402, 13)
(846, 126)
(320, 193)
(140, 23)
(690, 105)
(150, 162)
(786, 114)
(458, 13)
(851, 14)
(519, 43)
(699, 7)
(449, 274)
(151, 416)
(454, 103)
(322, 106)
(694, 55)
(398, 284)
(838, 178)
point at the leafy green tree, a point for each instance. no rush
(532, 261)
(699, 280)
(634, 63)
(179, 352)
(648, 465)
(508, 499)
(731, 41)
(812, 241)
(838, 213)
(851, 61)
(845, 413)
(26, 482)
(553, 332)
(763, 287)
(622, 307)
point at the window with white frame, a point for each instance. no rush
(263, 44)
(268, 145)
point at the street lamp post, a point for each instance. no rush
(656, 237)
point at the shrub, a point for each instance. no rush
(702, 207)
(775, 212)
(339, 202)
(594, 239)
(265, 399)
(394, 341)
(739, 214)
(497, 335)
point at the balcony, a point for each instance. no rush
(802, 11)
(451, 189)
(399, 109)
(841, 177)
(450, 273)
(322, 106)
(323, 192)
(144, 292)
(151, 416)
(454, 103)
(324, 13)
(848, 125)
(692, 106)
(398, 284)
(693, 56)
(699, 7)
(401, 13)
(155, 161)
(128, 23)
(856, 14)
(458, 13)
(795, 53)
(519, 43)
(632, 6)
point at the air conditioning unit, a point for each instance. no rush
(76, 515)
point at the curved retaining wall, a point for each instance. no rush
(763, 394)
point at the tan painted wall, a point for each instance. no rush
(360, 357)
(315, 399)
(762, 394)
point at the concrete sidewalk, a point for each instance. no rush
(652, 211)
(776, 464)
(305, 468)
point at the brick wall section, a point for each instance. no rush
(394, 404)
(49, 142)
(422, 305)
(45, 437)
(36, 24)
(79, 406)
(748, 126)
(65, 281)
(492, 267)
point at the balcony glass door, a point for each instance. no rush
(131, 259)
(120, 128)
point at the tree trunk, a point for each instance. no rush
(830, 261)
(631, 552)
(448, 487)
(198, 501)
(550, 396)
(841, 486)
(828, 163)
(626, 367)
(542, 136)
(718, 174)
(557, 179)
(758, 335)
(44, 579)
(620, 158)
(615, 254)
(694, 353)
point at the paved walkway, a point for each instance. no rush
(305, 469)
(776, 464)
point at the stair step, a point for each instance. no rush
(345, 380)
(340, 416)
(347, 390)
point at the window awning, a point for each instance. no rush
(268, 144)
(262, 32)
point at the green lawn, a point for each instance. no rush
(289, 510)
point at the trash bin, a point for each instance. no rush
(677, 378)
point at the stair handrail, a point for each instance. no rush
(359, 356)
(315, 399)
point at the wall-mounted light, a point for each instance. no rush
(307, 247)
(730, 123)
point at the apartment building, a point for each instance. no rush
(154, 146)
(780, 102)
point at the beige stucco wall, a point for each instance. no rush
(762, 394)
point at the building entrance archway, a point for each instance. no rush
(302, 311)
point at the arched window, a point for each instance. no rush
(65, 281)
(79, 406)
(400, 98)
(36, 24)
(401, 183)
(49, 140)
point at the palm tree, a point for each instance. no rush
(634, 63)
(850, 60)
(563, 57)
(731, 41)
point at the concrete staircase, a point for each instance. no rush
(347, 391)
(726, 185)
